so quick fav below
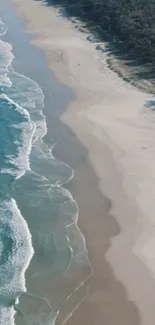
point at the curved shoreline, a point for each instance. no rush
(43, 130)
(74, 223)
(94, 132)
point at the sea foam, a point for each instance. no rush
(6, 58)
(15, 254)
(15, 239)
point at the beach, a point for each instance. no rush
(109, 143)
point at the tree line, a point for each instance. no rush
(131, 21)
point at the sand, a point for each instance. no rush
(114, 182)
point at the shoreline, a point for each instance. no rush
(90, 132)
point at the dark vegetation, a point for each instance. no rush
(131, 21)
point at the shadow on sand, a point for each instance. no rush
(135, 68)
(108, 301)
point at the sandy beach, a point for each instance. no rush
(114, 181)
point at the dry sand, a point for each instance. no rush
(115, 123)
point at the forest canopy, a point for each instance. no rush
(131, 21)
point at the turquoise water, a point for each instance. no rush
(16, 133)
(38, 216)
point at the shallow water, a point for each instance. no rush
(38, 231)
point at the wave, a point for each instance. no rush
(26, 93)
(6, 57)
(18, 129)
(15, 255)
(3, 28)
(29, 167)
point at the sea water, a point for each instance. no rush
(16, 132)
(35, 210)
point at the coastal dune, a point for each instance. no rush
(114, 181)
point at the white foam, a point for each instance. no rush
(13, 267)
(30, 104)
(3, 28)
(32, 99)
(6, 57)
(7, 316)
(28, 130)
(18, 107)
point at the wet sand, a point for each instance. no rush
(112, 173)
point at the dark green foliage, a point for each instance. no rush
(132, 21)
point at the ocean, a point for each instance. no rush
(41, 247)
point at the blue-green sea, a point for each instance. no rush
(41, 247)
